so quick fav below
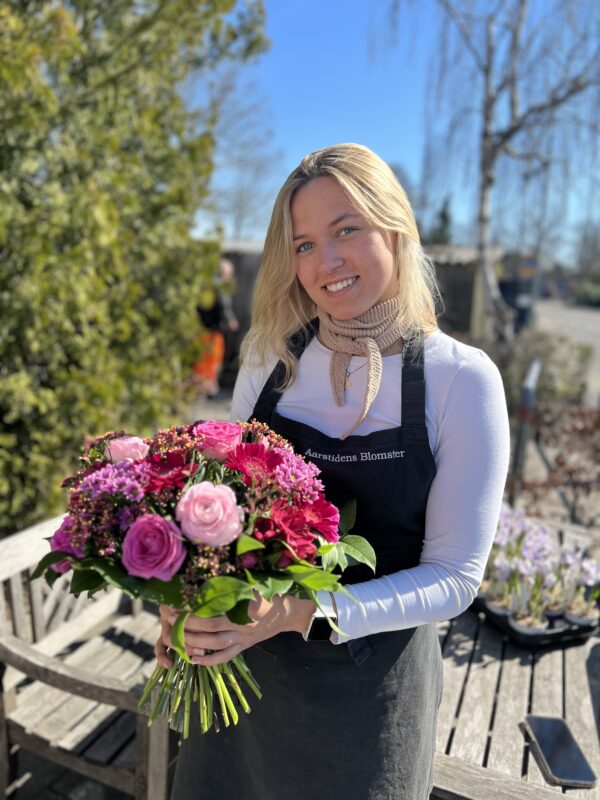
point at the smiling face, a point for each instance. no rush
(344, 263)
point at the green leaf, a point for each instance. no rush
(270, 585)
(50, 558)
(86, 580)
(333, 555)
(246, 543)
(167, 592)
(358, 549)
(219, 595)
(313, 578)
(239, 613)
(347, 517)
(178, 635)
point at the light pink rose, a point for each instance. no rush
(131, 447)
(217, 439)
(209, 514)
(152, 548)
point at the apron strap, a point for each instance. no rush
(271, 391)
(413, 378)
(413, 382)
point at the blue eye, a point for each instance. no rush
(301, 247)
(349, 229)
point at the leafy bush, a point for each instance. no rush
(102, 169)
(564, 366)
(588, 294)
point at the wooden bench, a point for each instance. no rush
(489, 687)
(72, 670)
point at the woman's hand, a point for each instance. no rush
(225, 638)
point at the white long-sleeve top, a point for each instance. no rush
(467, 426)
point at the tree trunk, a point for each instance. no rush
(490, 316)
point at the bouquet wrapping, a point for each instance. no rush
(201, 518)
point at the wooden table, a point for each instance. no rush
(489, 687)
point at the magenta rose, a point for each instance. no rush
(152, 548)
(131, 447)
(209, 513)
(61, 541)
(217, 439)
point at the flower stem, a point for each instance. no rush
(218, 686)
(227, 669)
(158, 673)
(245, 673)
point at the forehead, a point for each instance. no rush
(318, 202)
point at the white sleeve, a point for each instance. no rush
(248, 386)
(461, 517)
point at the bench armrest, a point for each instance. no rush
(38, 666)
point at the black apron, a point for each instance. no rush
(340, 722)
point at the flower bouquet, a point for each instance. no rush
(201, 518)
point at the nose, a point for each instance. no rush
(331, 258)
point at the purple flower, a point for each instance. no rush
(153, 548)
(590, 572)
(502, 567)
(124, 478)
(62, 542)
(294, 474)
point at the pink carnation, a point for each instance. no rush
(323, 517)
(217, 439)
(127, 447)
(209, 514)
(255, 461)
(62, 542)
(152, 548)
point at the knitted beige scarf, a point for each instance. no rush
(368, 335)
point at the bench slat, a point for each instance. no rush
(457, 654)
(507, 745)
(20, 617)
(24, 549)
(470, 738)
(454, 779)
(117, 777)
(546, 700)
(582, 696)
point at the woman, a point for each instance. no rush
(345, 360)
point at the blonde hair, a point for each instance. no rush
(280, 305)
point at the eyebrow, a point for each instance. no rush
(345, 215)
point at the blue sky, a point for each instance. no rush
(333, 75)
(337, 72)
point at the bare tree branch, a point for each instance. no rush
(464, 33)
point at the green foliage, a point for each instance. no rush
(564, 366)
(102, 169)
(588, 294)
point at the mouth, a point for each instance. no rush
(338, 286)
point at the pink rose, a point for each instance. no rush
(131, 447)
(152, 548)
(217, 439)
(209, 513)
(61, 541)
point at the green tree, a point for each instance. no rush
(102, 169)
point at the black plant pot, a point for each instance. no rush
(584, 623)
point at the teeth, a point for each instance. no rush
(336, 287)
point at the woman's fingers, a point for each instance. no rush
(208, 641)
(218, 657)
(160, 651)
